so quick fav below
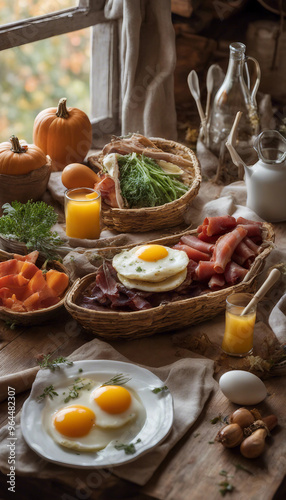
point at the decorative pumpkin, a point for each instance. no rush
(18, 157)
(65, 134)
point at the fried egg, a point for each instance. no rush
(153, 263)
(162, 286)
(98, 416)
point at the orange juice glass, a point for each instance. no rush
(238, 335)
(82, 212)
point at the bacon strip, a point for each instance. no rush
(225, 246)
(217, 225)
(205, 270)
(105, 280)
(192, 253)
(234, 273)
(216, 282)
(252, 229)
(195, 242)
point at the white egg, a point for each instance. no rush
(81, 424)
(242, 387)
(150, 262)
(161, 286)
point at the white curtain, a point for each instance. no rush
(147, 62)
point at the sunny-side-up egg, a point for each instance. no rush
(98, 416)
(149, 267)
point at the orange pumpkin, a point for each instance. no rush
(65, 134)
(18, 157)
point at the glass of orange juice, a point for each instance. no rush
(238, 335)
(82, 213)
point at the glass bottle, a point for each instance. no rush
(234, 95)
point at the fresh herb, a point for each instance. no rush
(139, 269)
(118, 379)
(225, 487)
(160, 389)
(128, 448)
(79, 385)
(52, 365)
(215, 420)
(241, 467)
(31, 224)
(211, 442)
(80, 370)
(144, 183)
(48, 391)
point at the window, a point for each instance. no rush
(103, 59)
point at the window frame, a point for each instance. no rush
(104, 87)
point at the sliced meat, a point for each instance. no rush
(192, 253)
(234, 273)
(242, 220)
(205, 270)
(225, 247)
(253, 230)
(252, 245)
(195, 242)
(105, 279)
(216, 282)
(217, 225)
(106, 187)
(243, 253)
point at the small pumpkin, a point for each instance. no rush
(18, 157)
(65, 134)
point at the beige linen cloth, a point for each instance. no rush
(147, 63)
(190, 381)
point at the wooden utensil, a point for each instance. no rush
(194, 87)
(272, 278)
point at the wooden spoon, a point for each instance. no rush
(268, 283)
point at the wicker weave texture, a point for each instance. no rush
(168, 215)
(175, 315)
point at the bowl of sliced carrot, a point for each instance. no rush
(30, 294)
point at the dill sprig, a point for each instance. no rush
(52, 365)
(119, 379)
(128, 448)
(31, 223)
(48, 391)
(79, 385)
(157, 390)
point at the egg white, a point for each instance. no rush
(148, 286)
(128, 264)
(110, 429)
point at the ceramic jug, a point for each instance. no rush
(266, 180)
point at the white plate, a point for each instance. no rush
(158, 423)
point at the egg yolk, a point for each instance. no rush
(112, 399)
(152, 253)
(74, 421)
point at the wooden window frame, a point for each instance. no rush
(104, 86)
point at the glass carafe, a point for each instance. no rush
(234, 95)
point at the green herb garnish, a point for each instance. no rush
(31, 223)
(225, 487)
(118, 379)
(144, 183)
(128, 448)
(156, 390)
(52, 365)
(241, 467)
(48, 391)
(79, 385)
(216, 419)
(139, 269)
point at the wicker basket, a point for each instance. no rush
(25, 187)
(171, 316)
(33, 317)
(151, 218)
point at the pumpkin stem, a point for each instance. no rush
(16, 146)
(62, 111)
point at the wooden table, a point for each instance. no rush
(191, 470)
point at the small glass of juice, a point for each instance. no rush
(82, 213)
(238, 335)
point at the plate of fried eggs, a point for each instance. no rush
(96, 413)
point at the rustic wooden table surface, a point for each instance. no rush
(191, 470)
